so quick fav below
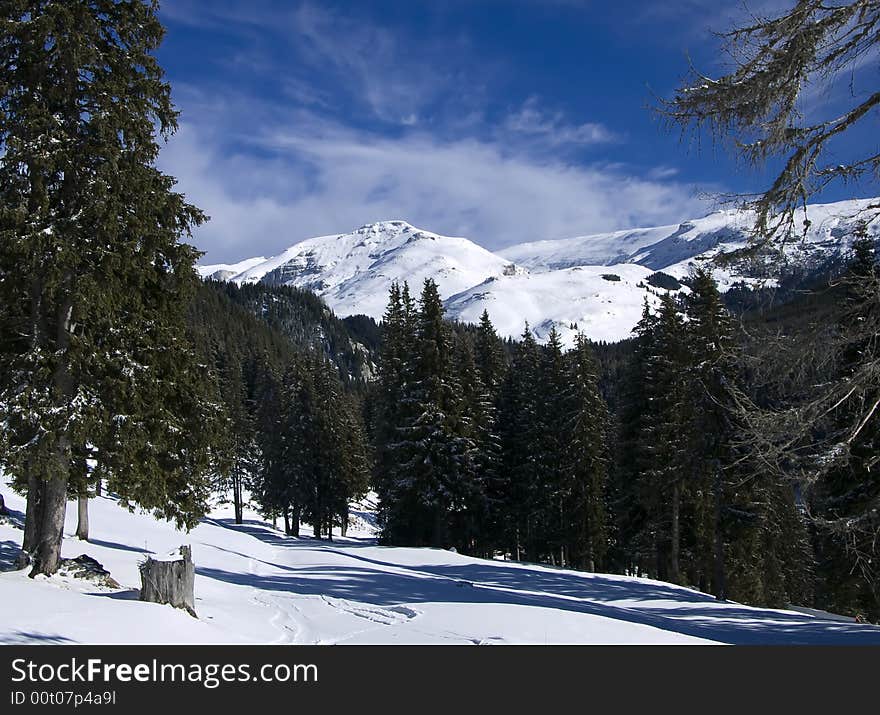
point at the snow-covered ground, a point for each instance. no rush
(254, 585)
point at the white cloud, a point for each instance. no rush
(531, 121)
(321, 178)
(273, 172)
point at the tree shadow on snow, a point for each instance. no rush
(24, 637)
(385, 583)
(9, 551)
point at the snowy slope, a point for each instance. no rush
(594, 250)
(225, 271)
(354, 271)
(547, 283)
(670, 247)
(254, 585)
(603, 302)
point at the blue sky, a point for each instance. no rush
(500, 120)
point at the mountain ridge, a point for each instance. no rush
(596, 283)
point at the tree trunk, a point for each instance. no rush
(674, 547)
(330, 528)
(295, 519)
(82, 513)
(98, 488)
(438, 537)
(237, 499)
(50, 527)
(287, 521)
(32, 517)
(47, 552)
(170, 582)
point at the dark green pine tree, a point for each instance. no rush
(586, 460)
(553, 488)
(240, 463)
(439, 456)
(272, 483)
(712, 356)
(492, 369)
(477, 426)
(489, 355)
(95, 277)
(661, 472)
(335, 456)
(519, 427)
(394, 410)
(632, 545)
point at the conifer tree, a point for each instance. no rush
(553, 488)
(394, 412)
(711, 354)
(95, 277)
(662, 472)
(519, 429)
(586, 460)
(477, 429)
(634, 548)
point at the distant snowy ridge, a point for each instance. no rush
(596, 284)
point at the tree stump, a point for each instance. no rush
(170, 582)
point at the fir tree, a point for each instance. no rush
(519, 430)
(586, 460)
(95, 278)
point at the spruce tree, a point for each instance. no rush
(586, 455)
(520, 433)
(711, 377)
(95, 277)
(662, 472)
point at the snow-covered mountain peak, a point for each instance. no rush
(596, 283)
(354, 271)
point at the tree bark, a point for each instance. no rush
(33, 514)
(50, 525)
(237, 499)
(47, 552)
(170, 582)
(294, 519)
(82, 514)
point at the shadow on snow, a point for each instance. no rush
(385, 583)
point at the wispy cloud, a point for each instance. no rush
(365, 123)
(532, 121)
(327, 178)
(398, 79)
